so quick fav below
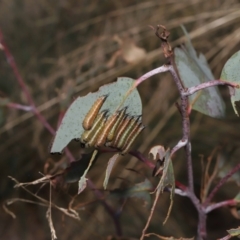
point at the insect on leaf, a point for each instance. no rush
(194, 70)
(231, 73)
(71, 125)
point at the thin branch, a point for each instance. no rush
(164, 68)
(226, 237)
(185, 126)
(23, 86)
(151, 214)
(220, 183)
(20, 107)
(212, 83)
(180, 144)
(140, 157)
(107, 207)
(49, 215)
(230, 202)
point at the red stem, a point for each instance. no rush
(220, 183)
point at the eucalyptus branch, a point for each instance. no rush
(25, 108)
(151, 73)
(183, 106)
(230, 202)
(22, 84)
(220, 183)
(212, 83)
(108, 208)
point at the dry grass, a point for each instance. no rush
(66, 46)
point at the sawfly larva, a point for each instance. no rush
(93, 112)
(132, 136)
(87, 135)
(118, 122)
(125, 134)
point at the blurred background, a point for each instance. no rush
(66, 49)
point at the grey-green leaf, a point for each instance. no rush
(194, 70)
(71, 125)
(231, 73)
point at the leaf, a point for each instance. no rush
(140, 190)
(194, 70)
(71, 125)
(167, 179)
(231, 73)
(234, 232)
(110, 165)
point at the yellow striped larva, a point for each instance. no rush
(102, 138)
(93, 112)
(118, 122)
(87, 135)
(132, 136)
(125, 134)
(120, 131)
(97, 133)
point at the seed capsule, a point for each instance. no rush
(93, 112)
(125, 134)
(120, 131)
(87, 135)
(132, 136)
(118, 122)
(108, 126)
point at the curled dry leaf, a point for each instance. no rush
(110, 165)
(158, 152)
(129, 51)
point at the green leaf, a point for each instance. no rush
(194, 70)
(140, 190)
(231, 73)
(234, 232)
(110, 165)
(71, 125)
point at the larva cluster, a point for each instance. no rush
(116, 131)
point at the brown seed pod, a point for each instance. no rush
(121, 130)
(125, 134)
(131, 137)
(87, 135)
(93, 112)
(108, 126)
(121, 116)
